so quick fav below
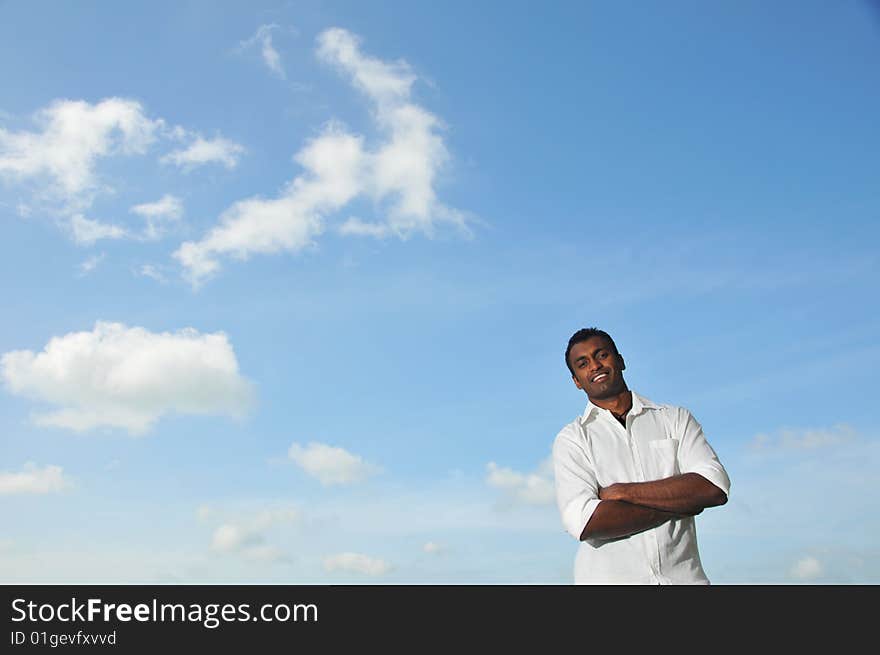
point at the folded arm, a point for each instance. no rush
(687, 494)
(590, 511)
(613, 519)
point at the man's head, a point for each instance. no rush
(595, 364)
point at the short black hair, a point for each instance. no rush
(583, 335)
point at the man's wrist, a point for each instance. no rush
(625, 492)
(628, 492)
(617, 491)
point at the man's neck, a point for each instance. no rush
(618, 405)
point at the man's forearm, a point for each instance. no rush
(613, 519)
(686, 494)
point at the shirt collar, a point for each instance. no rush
(640, 403)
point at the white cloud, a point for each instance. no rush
(151, 271)
(230, 537)
(400, 174)
(330, 464)
(806, 568)
(72, 136)
(201, 151)
(90, 264)
(356, 227)
(61, 157)
(524, 488)
(263, 38)
(116, 376)
(246, 536)
(290, 222)
(168, 206)
(803, 440)
(86, 231)
(356, 563)
(433, 548)
(158, 214)
(387, 83)
(33, 480)
(405, 167)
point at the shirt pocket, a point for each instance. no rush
(663, 455)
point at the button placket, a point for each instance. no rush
(655, 554)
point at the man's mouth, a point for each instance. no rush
(599, 377)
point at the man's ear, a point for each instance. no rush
(576, 382)
(622, 363)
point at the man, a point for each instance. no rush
(630, 476)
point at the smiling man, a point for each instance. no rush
(631, 475)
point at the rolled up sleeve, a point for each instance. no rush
(695, 455)
(577, 491)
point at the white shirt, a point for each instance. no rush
(594, 451)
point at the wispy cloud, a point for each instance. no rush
(116, 376)
(433, 548)
(60, 158)
(357, 563)
(806, 569)
(158, 214)
(262, 38)
(151, 271)
(803, 440)
(201, 151)
(229, 537)
(356, 227)
(246, 536)
(33, 480)
(86, 231)
(534, 488)
(404, 168)
(72, 136)
(330, 464)
(90, 264)
(290, 222)
(168, 206)
(399, 174)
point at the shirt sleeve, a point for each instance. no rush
(695, 455)
(577, 492)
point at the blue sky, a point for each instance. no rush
(288, 284)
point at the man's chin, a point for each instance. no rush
(605, 393)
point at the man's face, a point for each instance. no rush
(598, 369)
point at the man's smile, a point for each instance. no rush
(599, 377)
